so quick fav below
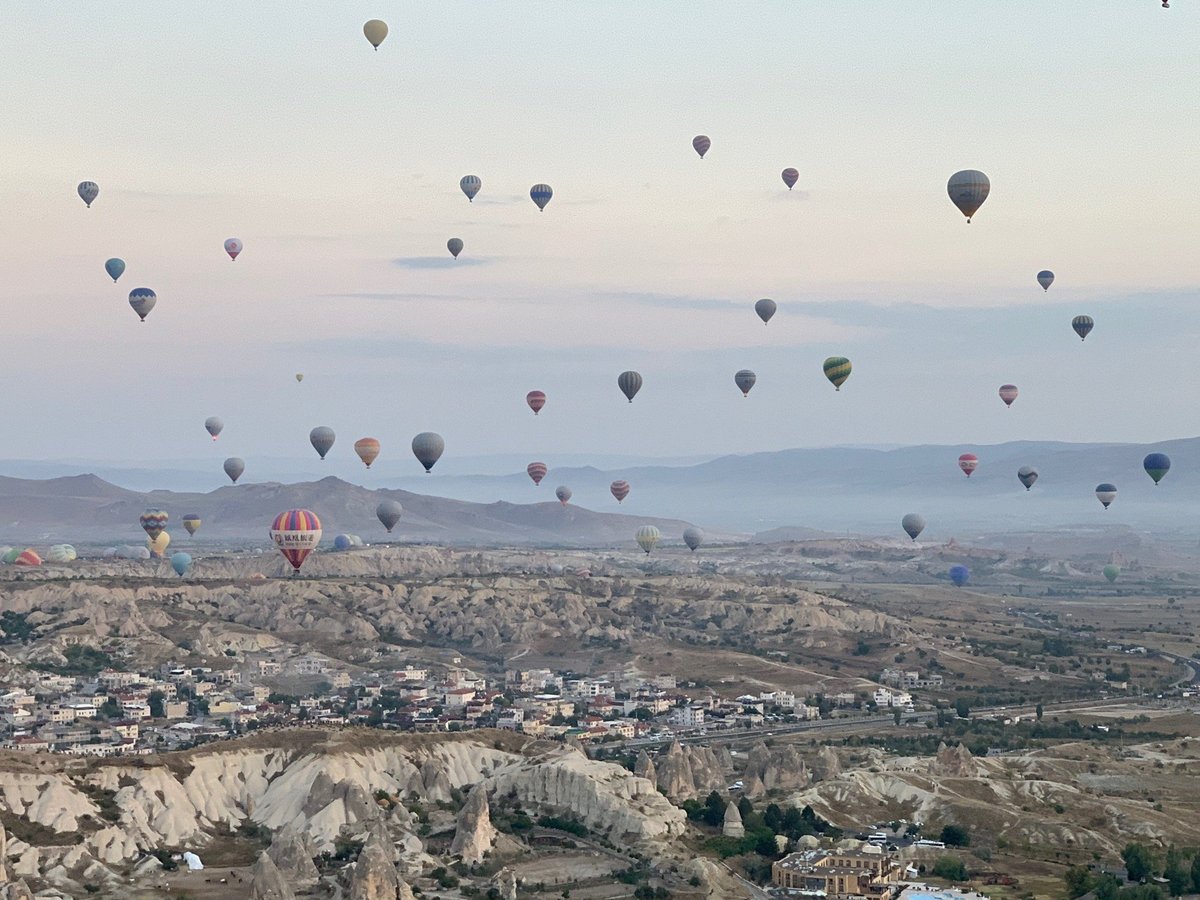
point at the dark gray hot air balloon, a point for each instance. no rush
(1027, 475)
(1045, 278)
(214, 426)
(322, 438)
(630, 383)
(88, 191)
(745, 379)
(693, 537)
(765, 309)
(913, 524)
(968, 189)
(470, 185)
(389, 512)
(455, 246)
(427, 447)
(234, 467)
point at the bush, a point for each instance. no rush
(951, 868)
(956, 836)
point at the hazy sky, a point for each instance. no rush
(339, 166)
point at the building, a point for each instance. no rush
(839, 875)
(687, 716)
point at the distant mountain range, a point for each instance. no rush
(85, 508)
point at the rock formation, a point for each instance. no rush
(675, 774)
(955, 762)
(733, 826)
(474, 834)
(375, 876)
(506, 883)
(644, 767)
(827, 765)
(292, 852)
(18, 890)
(4, 876)
(782, 769)
(267, 882)
(752, 786)
(707, 772)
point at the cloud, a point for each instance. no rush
(437, 262)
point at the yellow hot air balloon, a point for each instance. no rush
(158, 546)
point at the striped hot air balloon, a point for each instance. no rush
(1106, 493)
(27, 557)
(536, 400)
(1083, 326)
(968, 462)
(701, 143)
(142, 300)
(470, 185)
(367, 449)
(541, 194)
(745, 380)
(153, 521)
(88, 191)
(620, 490)
(968, 189)
(191, 523)
(837, 370)
(537, 471)
(1008, 393)
(61, 553)
(647, 537)
(1045, 278)
(630, 383)
(296, 533)
(790, 177)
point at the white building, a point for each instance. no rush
(687, 716)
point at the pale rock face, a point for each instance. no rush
(4, 876)
(707, 774)
(375, 876)
(675, 777)
(267, 882)
(733, 826)
(474, 834)
(17, 891)
(292, 852)
(644, 767)
(506, 883)
(955, 762)
(45, 799)
(752, 786)
(827, 764)
(782, 769)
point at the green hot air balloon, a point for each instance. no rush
(1111, 572)
(837, 370)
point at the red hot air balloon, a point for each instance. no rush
(537, 471)
(296, 533)
(536, 400)
(367, 449)
(620, 490)
(701, 143)
(790, 177)
(1008, 393)
(968, 462)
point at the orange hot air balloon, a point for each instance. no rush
(367, 449)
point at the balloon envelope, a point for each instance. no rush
(27, 557)
(620, 490)
(1106, 493)
(701, 143)
(88, 191)
(388, 512)
(61, 553)
(375, 31)
(153, 521)
(536, 400)
(1045, 278)
(913, 524)
(1027, 475)
(745, 379)
(191, 523)
(1157, 465)
(968, 462)
(1111, 572)
(234, 467)
(342, 542)
(1083, 326)
(537, 471)
(367, 449)
(959, 575)
(1008, 393)
(541, 194)
(296, 533)
(470, 185)
(299, 376)
(765, 309)
(563, 493)
(455, 246)
(693, 537)
(233, 247)
(647, 536)
(837, 370)
(968, 189)
(790, 177)
(181, 562)
(142, 300)
(158, 545)
(213, 426)
(322, 438)
(114, 267)
(630, 383)
(428, 447)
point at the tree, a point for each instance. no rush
(956, 836)
(951, 868)
(1039, 712)
(158, 709)
(1196, 872)
(896, 714)
(1138, 861)
(962, 707)
(110, 709)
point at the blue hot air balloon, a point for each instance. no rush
(1157, 465)
(181, 562)
(541, 194)
(959, 575)
(342, 542)
(114, 267)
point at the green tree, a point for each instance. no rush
(1139, 863)
(158, 709)
(896, 714)
(110, 709)
(956, 836)
(951, 868)
(1039, 712)
(962, 707)
(1196, 872)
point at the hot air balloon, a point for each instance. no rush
(88, 191)
(213, 426)
(541, 194)
(388, 512)
(1157, 465)
(470, 185)
(367, 449)
(837, 370)
(765, 309)
(10, 555)
(968, 462)
(959, 575)
(536, 400)
(342, 542)
(1027, 475)
(427, 447)
(233, 247)
(620, 490)
(1106, 493)
(1008, 393)
(701, 143)
(153, 521)
(296, 533)
(630, 383)
(158, 546)
(299, 376)
(142, 300)
(455, 246)
(191, 523)
(745, 379)
(913, 524)
(790, 177)
(647, 536)
(61, 553)
(968, 189)
(114, 267)
(27, 557)
(537, 471)
(563, 493)
(1083, 326)
(693, 537)
(1111, 572)
(1045, 278)
(234, 467)
(322, 438)
(375, 31)
(181, 562)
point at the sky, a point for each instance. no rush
(338, 167)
